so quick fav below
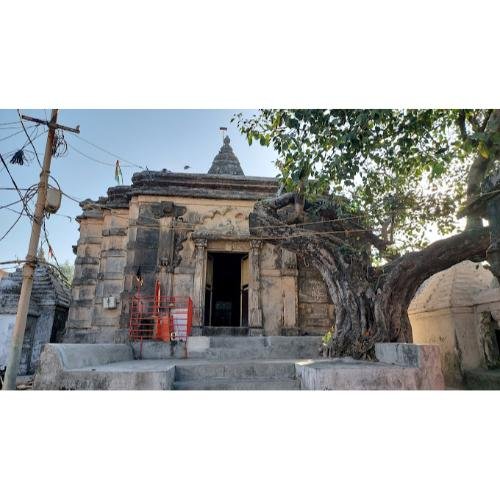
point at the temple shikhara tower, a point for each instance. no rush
(188, 235)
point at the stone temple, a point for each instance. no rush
(257, 312)
(189, 233)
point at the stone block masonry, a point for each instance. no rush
(166, 226)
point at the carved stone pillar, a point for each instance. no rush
(289, 284)
(166, 255)
(254, 300)
(200, 271)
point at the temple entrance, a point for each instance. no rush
(226, 292)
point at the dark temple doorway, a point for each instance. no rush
(226, 293)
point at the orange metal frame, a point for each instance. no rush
(153, 317)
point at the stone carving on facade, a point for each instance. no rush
(218, 223)
(487, 340)
(173, 252)
(151, 212)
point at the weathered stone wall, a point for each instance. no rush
(40, 335)
(454, 331)
(7, 322)
(87, 265)
(110, 277)
(48, 310)
(29, 336)
(168, 236)
(6, 328)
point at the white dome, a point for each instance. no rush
(455, 287)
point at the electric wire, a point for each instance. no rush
(96, 160)
(59, 150)
(52, 253)
(296, 225)
(131, 163)
(42, 132)
(10, 123)
(9, 128)
(29, 138)
(71, 197)
(20, 261)
(10, 204)
(8, 154)
(16, 186)
(11, 135)
(11, 227)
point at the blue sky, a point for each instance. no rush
(154, 138)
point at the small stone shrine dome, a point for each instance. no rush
(226, 162)
(455, 287)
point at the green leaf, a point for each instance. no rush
(483, 150)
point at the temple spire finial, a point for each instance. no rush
(226, 162)
(224, 134)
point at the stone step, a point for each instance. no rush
(236, 370)
(153, 349)
(229, 347)
(223, 354)
(226, 331)
(237, 384)
(226, 354)
(225, 341)
(305, 342)
(224, 348)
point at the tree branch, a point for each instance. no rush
(266, 212)
(486, 119)
(461, 125)
(415, 267)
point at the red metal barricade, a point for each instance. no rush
(153, 317)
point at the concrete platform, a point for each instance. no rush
(349, 374)
(399, 366)
(222, 365)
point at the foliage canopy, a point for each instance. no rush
(405, 170)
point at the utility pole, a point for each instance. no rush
(31, 259)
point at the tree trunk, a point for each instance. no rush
(370, 304)
(479, 168)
